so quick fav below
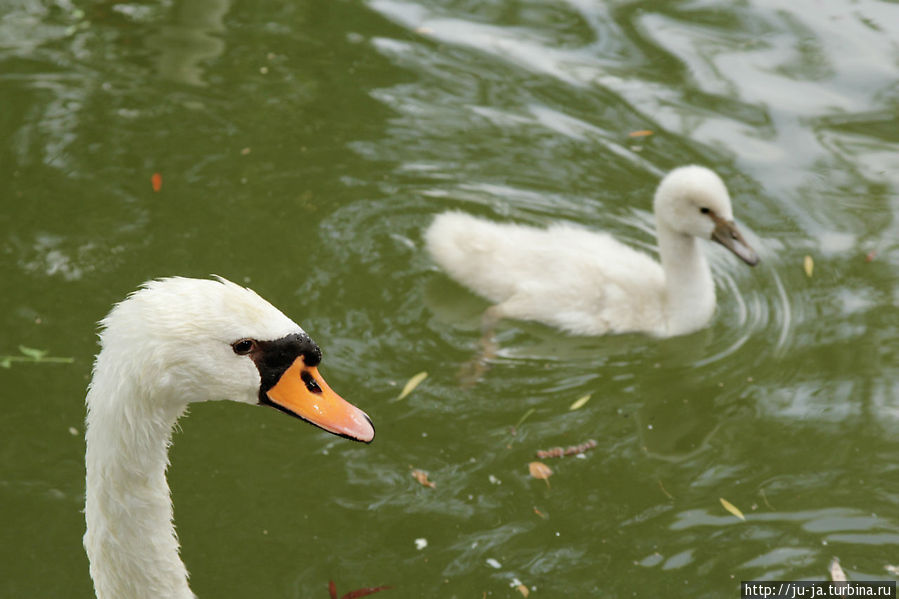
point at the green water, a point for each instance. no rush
(304, 146)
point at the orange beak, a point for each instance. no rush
(303, 392)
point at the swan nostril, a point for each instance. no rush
(311, 385)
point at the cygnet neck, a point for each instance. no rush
(689, 288)
(130, 538)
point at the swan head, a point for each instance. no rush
(693, 200)
(181, 340)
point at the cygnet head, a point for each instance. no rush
(185, 340)
(693, 200)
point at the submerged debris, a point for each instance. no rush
(558, 452)
(836, 572)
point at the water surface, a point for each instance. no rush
(304, 147)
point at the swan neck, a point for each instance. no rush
(130, 539)
(689, 288)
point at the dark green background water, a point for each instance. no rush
(363, 120)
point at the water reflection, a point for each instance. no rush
(194, 37)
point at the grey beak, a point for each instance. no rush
(727, 234)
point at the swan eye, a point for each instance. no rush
(704, 210)
(243, 347)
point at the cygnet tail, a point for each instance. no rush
(457, 241)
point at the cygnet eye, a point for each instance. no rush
(704, 210)
(243, 347)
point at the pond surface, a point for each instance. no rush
(303, 147)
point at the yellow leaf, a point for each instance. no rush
(732, 508)
(640, 133)
(579, 403)
(422, 477)
(414, 382)
(540, 470)
(523, 590)
(809, 265)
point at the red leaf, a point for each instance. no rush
(156, 181)
(332, 589)
(363, 592)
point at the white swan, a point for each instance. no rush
(588, 283)
(173, 342)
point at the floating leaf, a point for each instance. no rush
(640, 133)
(869, 257)
(541, 514)
(520, 587)
(836, 572)
(808, 265)
(34, 354)
(332, 591)
(156, 182)
(422, 477)
(524, 417)
(364, 592)
(540, 470)
(30, 354)
(410, 386)
(732, 508)
(579, 403)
